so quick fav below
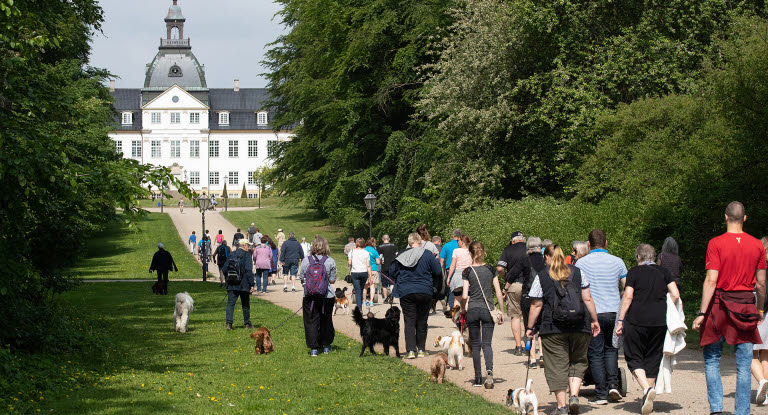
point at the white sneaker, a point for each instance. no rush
(762, 391)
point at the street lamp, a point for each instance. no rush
(204, 202)
(161, 197)
(225, 195)
(370, 203)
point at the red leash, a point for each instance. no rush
(462, 319)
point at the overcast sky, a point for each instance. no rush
(229, 37)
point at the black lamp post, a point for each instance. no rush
(370, 203)
(204, 202)
(161, 197)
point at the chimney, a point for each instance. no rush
(111, 85)
(237, 85)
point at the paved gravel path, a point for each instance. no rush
(688, 383)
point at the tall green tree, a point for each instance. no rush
(60, 176)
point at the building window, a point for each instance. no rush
(253, 195)
(127, 118)
(194, 148)
(175, 118)
(155, 117)
(213, 148)
(233, 148)
(119, 147)
(223, 118)
(213, 177)
(194, 118)
(251, 178)
(136, 148)
(175, 148)
(155, 149)
(271, 148)
(261, 118)
(232, 179)
(234, 195)
(253, 148)
(194, 177)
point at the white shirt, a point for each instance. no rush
(306, 247)
(361, 260)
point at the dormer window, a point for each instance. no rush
(261, 118)
(224, 118)
(127, 118)
(175, 71)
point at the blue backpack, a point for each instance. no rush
(316, 278)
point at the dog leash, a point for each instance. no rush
(289, 317)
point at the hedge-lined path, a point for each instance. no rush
(688, 381)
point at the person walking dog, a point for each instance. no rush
(162, 262)
(239, 268)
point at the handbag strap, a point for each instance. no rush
(481, 289)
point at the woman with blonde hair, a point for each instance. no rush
(760, 352)
(479, 284)
(318, 310)
(565, 332)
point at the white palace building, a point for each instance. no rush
(206, 136)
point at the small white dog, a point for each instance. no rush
(453, 346)
(184, 306)
(524, 399)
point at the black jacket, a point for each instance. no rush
(162, 261)
(515, 261)
(548, 326)
(246, 268)
(291, 251)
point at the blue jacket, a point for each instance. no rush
(291, 252)
(414, 272)
(246, 264)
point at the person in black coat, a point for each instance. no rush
(244, 288)
(162, 262)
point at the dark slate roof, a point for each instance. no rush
(242, 106)
(128, 99)
(191, 73)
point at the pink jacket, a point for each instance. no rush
(262, 257)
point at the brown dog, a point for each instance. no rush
(438, 367)
(263, 341)
(455, 317)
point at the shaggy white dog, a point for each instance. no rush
(184, 306)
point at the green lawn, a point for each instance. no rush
(120, 252)
(147, 368)
(304, 222)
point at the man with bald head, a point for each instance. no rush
(729, 313)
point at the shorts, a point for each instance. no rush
(291, 268)
(514, 296)
(644, 348)
(374, 279)
(566, 355)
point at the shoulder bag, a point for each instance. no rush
(495, 313)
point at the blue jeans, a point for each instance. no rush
(261, 275)
(358, 282)
(603, 357)
(715, 382)
(245, 302)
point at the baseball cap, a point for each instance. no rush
(242, 242)
(516, 234)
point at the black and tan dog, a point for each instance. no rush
(456, 318)
(385, 331)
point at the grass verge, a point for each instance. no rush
(232, 202)
(145, 367)
(120, 252)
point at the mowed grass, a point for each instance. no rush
(303, 222)
(120, 252)
(147, 368)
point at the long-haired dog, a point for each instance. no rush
(438, 367)
(523, 399)
(263, 339)
(456, 318)
(184, 306)
(454, 346)
(341, 301)
(385, 331)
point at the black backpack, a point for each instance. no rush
(222, 254)
(234, 272)
(568, 308)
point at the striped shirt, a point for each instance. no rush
(604, 271)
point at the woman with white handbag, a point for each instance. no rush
(481, 315)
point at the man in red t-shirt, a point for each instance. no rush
(735, 268)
